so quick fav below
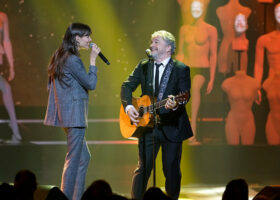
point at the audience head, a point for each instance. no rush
(7, 191)
(56, 194)
(99, 189)
(236, 189)
(25, 183)
(276, 197)
(260, 197)
(155, 193)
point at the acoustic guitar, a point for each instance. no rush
(145, 109)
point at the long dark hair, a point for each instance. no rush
(68, 47)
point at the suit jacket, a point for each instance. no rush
(175, 123)
(68, 99)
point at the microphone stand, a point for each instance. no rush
(154, 114)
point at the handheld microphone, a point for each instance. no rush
(101, 55)
(149, 53)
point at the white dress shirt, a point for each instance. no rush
(161, 70)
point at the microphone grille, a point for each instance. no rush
(91, 44)
(148, 52)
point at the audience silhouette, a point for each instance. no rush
(154, 193)
(236, 189)
(56, 194)
(101, 190)
(7, 191)
(25, 185)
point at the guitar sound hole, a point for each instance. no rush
(141, 112)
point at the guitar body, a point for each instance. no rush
(127, 128)
(142, 105)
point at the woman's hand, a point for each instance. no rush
(94, 53)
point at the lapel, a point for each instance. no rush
(165, 79)
(171, 62)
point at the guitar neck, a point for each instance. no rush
(181, 98)
(158, 105)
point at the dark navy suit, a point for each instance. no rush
(174, 126)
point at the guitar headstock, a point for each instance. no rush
(182, 97)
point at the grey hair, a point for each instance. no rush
(167, 37)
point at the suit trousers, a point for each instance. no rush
(76, 163)
(171, 158)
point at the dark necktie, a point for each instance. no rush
(157, 78)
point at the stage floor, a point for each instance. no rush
(206, 169)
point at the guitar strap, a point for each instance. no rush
(164, 79)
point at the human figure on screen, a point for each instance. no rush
(240, 44)
(272, 88)
(226, 15)
(185, 6)
(241, 90)
(6, 58)
(198, 49)
(269, 42)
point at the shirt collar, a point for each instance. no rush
(165, 61)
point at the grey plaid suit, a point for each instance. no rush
(68, 108)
